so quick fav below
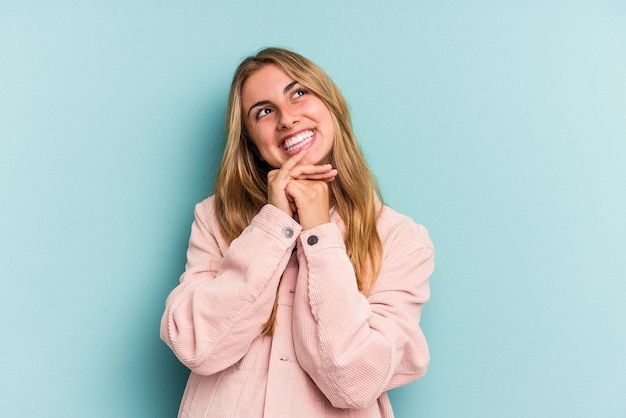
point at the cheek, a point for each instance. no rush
(330, 123)
(326, 117)
(265, 145)
(258, 137)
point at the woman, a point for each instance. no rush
(302, 292)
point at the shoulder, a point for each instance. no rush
(205, 212)
(207, 204)
(206, 207)
(393, 225)
(206, 220)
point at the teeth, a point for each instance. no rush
(298, 140)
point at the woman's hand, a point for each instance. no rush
(302, 189)
(311, 201)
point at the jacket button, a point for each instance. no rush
(287, 232)
(312, 240)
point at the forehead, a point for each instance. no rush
(267, 81)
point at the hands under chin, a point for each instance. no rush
(302, 190)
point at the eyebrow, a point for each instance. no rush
(265, 102)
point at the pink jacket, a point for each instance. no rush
(334, 352)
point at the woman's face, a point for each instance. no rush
(283, 118)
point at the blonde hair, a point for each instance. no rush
(241, 184)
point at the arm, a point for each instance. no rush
(353, 347)
(217, 310)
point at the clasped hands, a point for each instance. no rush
(302, 189)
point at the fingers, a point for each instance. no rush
(311, 200)
(292, 169)
(327, 176)
(313, 172)
(277, 181)
(296, 175)
(292, 162)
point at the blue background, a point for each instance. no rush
(499, 125)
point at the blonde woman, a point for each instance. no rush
(302, 292)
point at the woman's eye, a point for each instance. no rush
(263, 112)
(299, 93)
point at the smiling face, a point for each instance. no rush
(283, 118)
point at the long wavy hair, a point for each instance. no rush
(241, 184)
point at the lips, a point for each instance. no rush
(298, 141)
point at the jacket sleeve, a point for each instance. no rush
(356, 347)
(218, 309)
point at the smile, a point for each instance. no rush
(298, 141)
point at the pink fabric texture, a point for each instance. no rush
(334, 352)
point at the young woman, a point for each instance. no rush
(302, 292)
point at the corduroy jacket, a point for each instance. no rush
(333, 352)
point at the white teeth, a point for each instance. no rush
(298, 140)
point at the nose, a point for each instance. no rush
(288, 119)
